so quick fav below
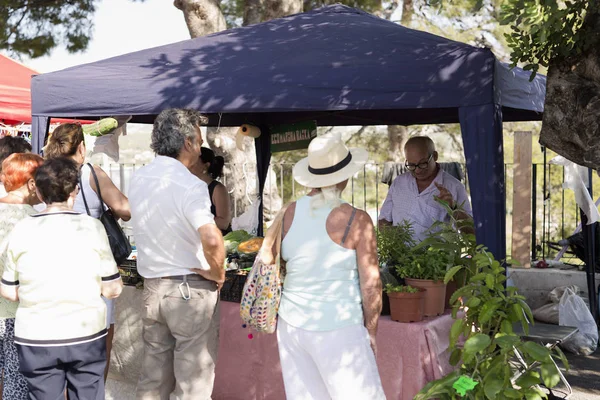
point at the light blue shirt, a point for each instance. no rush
(321, 291)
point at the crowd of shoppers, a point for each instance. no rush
(56, 267)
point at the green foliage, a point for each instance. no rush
(234, 9)
(34, 28)
(544, 30)
(487, 351)
(389, 288)
(395, 244)
(426, 263)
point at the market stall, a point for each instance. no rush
(336, 65)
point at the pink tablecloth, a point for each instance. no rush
(409, 356)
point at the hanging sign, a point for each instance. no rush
(292, 136)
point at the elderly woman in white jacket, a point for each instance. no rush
(58, 263)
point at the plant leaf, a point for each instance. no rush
(455, 331)
(530, 378)
(455, 356)
(550, 374)
(487, 312)
(507, 341)
(473, 302)
(476, 343)
(536, 351)
(451, 272)
(563, 358)
(493, 386)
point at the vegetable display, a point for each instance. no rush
(251, 246)
(101, 127)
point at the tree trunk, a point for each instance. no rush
(397, 135)
(202, 17)
(253, 11)
(281, 8)
(407, 13)
(571, 122)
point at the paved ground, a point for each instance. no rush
(584, 376)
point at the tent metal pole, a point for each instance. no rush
(589, 239)
(262, 146)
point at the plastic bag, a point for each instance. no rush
(557, 293)
(573, 312)
(248, 221)
(547, 313)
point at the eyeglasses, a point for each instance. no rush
(423, 165)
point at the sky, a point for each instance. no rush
(121, 26)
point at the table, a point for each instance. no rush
(409, 356)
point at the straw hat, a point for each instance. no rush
(329, 162)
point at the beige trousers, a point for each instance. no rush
(181, 340)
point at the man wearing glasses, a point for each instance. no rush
(412, 195)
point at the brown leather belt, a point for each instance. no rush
(191, 277)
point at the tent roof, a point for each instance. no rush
(15, 96)
(336, 64)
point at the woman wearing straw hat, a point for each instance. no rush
(331, 299)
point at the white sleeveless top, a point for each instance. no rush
(93, 202)
(321, 290)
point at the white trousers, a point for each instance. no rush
(338, 364)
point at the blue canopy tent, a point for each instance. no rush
(336, 65)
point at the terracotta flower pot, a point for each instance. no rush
(407, 307)
(435, 298)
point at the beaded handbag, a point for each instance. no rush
(262, 290)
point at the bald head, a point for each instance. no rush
(421, 157)
(421, 144)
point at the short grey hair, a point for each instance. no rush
(171, 127)
(423, 142)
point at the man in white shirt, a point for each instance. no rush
(412, 195)
(181, 257)
(8, 146)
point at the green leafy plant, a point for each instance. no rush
(426, 263)
(389, 288)
(395, 244)
(483, 339)
(544, 30)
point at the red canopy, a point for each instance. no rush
(15, 96)
(15, 93)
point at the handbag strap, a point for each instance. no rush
(274, 236)
(97, 184)
(87, 209)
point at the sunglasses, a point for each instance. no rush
(423, 165)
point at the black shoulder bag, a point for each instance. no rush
(119, 244)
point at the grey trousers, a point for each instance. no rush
(181, 340)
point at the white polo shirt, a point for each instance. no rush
(404, 202)
(168, 206)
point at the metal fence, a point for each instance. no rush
(555, 214)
